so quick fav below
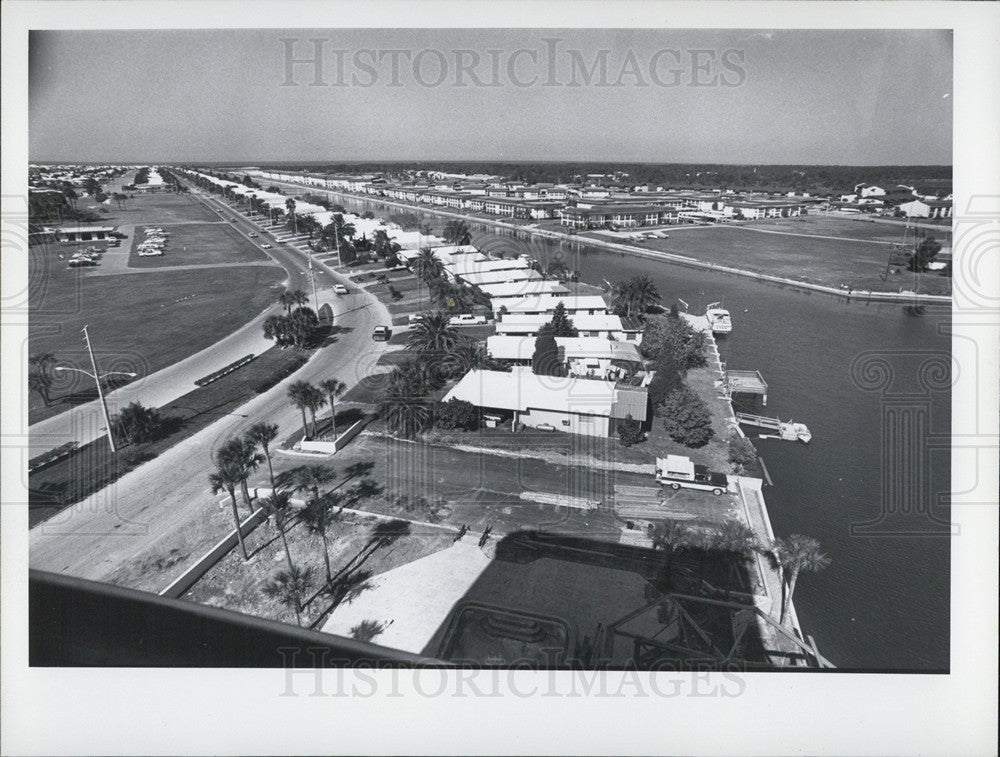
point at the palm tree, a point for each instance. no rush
(465, 356)
(670, 535)
(244, 456)
(299, 393)
(286, 300)
(314, 401)
(263, 434)
(288, 587)
(333, 389)
(737, 542)
(317, 514)
(635, 295)
(433, 335)
(298, 298)
(427, 266)
(290, 207)
(405, 413)
(226, 476)
(279, 506)
(792, 556)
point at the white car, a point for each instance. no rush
(467, 319)
(265, 247)
(340, 289)
(252, 235)
(415, 318)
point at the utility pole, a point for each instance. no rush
(100, 391)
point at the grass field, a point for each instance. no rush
(198, 244)
(853, 263)
(94, 466)
(159, 209)
(139, 323)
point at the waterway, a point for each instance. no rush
(872, 382)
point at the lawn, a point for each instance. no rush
(138, 322)
(94, 466)
(855, 263)
(359, 548)
(158, 209)
(197, 244)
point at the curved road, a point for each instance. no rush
(162, 515)
(84, 423)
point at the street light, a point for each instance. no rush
(97, 380)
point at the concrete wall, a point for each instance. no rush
(330, 447)
(187, 579)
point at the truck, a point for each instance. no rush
(677, 471)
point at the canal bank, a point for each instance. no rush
(909, 298)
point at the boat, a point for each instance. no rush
(802, 432)
(718, 318)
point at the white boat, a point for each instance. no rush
(718, 318)
(802, 432)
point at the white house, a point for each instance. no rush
(869, 190)
(584, 357)
(603, 325)
(926, 209)
(540, 304)
(501, 277)
(519, 289)
(573, 405)
(465, 267)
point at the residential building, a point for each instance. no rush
(604, 326)
(519, 289)
(926, 208)
(574, 405)
(501, 277)
(540, 304)
(584, 357)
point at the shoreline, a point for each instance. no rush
(805, 286)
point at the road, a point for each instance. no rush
(84, 423)
(165, 505)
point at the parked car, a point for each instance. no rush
(467, 319)
(381, 333)
(545, 427)
(415, 318)
(252, 235)
(340, 289)
(265, 247)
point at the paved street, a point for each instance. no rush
(126, 522)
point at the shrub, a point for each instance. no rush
(687, 418)
(674, 336)
(545, 359)
(630, 432)
(666, 380)
(456, 414)
(742, 453)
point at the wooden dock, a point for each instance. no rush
(746, 382)
(782, 429)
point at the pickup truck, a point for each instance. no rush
(677, 471)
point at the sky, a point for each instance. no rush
(852, 97)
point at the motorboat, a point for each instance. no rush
(718, 318)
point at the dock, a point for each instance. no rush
(789, 430)
(746, 382)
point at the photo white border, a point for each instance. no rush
(80, 711)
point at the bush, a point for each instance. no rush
(687, 418)
(630, 432)
(674, 336)
(456, 414)
(742, 453)
(666, 380)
